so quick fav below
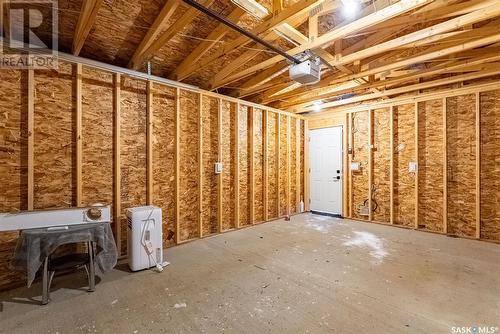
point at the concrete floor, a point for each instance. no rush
(311, 275)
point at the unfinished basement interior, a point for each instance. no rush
(250, 166)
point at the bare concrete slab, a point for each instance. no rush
(313, 274)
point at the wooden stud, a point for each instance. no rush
(237, 166)
(345, 155)
(445, 169)
(200, 166)
(85, 22)
(478, 166)
(351, 157)
(307, 200)
(288, 162)
(79, 139)
(219, 159)
(251, 181)
(370, 164)
(278, 160)
(416, 161)
(297, 165)
(149, 141)
(265, 175)
(31, 133)
(391, 167)
(117, 160)
(177, 163)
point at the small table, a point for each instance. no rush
(35, 246)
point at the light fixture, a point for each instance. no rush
(350, 8)
(317, 105)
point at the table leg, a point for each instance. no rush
(45, 282)
(91, 267)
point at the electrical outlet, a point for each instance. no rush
(218, 167)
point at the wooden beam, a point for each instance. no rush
(86, 20)
(338, 33)
(278, 161)
(165, 36)
(307, 201)
(251, 150)
(149, 141)
(236, 149)
(31, 134)
(277, 6)
(391, 167)
(313, 28)
(79, 139)
(417, 162)
(478, 165)
(177, 163)
(210, 41)
(219, 159)
(265, 153)
(445, 169)
(200, 166)
(297, 165)
(117, 160)
(288, 162)
(370, 164)
(297, 8)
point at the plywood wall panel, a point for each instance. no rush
(133, 148)
(404, 153)
(97, 137)
(272, 187)
(244, 164)
(258, 166)
(490, 165)
(164, 158)
(54, 138)
(360, 154)
(293, 167)
(283, 184)
(229, 165)
(381, 165)
(461, 165)
(430, 169)
(13, 156)
(210, 156)
(188, 198)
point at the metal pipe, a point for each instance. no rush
(234, 26)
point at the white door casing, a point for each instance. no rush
(325, 147)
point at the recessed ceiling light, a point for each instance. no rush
(350, 8)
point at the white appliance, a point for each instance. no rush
(24, 220)
(145, 248)
(307, 72)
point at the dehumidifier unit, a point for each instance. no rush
(145, 249)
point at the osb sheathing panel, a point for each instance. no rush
(272, 186)
(164, 158)
(360, 154)
(97, 134)
(404, 153)
(490, 165)
(210, 156)
(334, 120)
(54, 140)
(13, 154)
(132, 148)
(258, 166)
(244, 166)
(188, 159)
(381, 164)
(293, 167)
(461, 144)
(283, 184)
(430, 165)
(229, 164)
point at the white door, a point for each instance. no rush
(325, 147)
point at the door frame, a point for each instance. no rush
(343, 173)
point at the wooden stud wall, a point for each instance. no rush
(454, 139)
(130, 142)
